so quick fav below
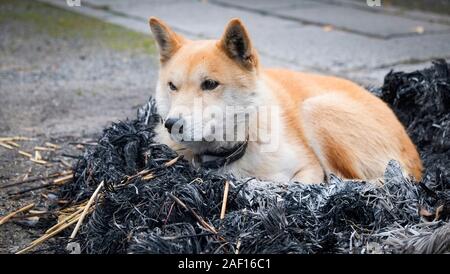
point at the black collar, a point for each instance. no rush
(222, 158)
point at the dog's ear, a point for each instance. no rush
(237, 44)
(168, 41)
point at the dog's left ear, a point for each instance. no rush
(237, 44)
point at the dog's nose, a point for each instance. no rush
(170, 122)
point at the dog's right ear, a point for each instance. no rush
(168, 41)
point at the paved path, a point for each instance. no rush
(342, 37)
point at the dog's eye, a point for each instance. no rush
(209, 84)
(172, 86)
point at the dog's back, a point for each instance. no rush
(352, 132)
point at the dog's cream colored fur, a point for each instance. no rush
(326, 124)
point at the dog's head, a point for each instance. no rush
(204, 84)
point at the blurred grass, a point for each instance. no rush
(436, 6)
(60, 23)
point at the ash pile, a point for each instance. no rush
(156, 202)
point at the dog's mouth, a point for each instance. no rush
(221, 157)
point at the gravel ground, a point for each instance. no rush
(63, 78)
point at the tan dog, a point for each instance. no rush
(322, 124)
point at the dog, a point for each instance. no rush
(320, 125)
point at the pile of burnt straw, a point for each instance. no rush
(152, 203)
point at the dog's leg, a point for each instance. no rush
(309, 175)
(352, 139)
